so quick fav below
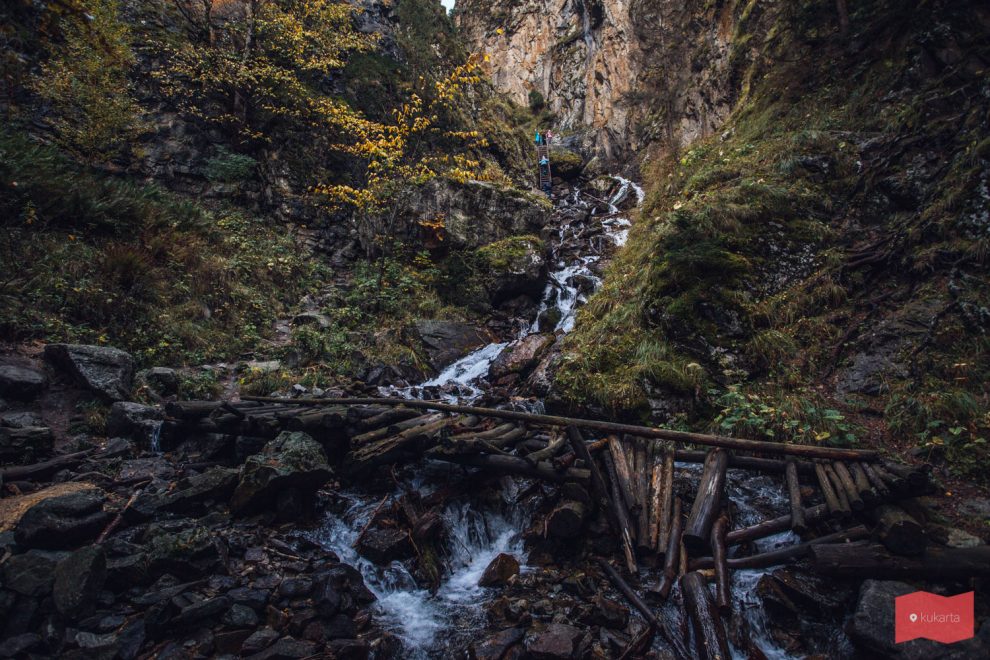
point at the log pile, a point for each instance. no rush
(843, 503)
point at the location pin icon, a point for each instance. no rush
(913, 617)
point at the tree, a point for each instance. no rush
(86, 81)
(265, 66)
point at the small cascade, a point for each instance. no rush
(156, 437)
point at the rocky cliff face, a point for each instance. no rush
(629, 72)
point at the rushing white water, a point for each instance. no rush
(416, 616)
(156, 435)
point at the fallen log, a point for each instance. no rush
(671, 558)
(623, 472)
(386, 417)
(845, 510)
(557, 441)
(639, 644)
(389, 449)
(621, 516)
(783, 555)
(707, 502)
(644, 460)
(710, 640)
(898, 531)
(877, 483)
(775, 525)
(393, 429)
(794, 493)
(566, 520)
(568, 459)
(895, 483)
(598, 487)
(874, 561)
(513, 465)
(914, 476)
(723, 595)
(673, 639)
(866, 492)
(666, 496)
(758, 464)
(757, 446)
(828, 492)
(848, 486)
(39, 471)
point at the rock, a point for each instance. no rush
(108, 372)
(977, 507)
(494, 647)
(22, 383)
(349, 649)
(447, 341)
(197, 612)
(954, 537)
(15, 646)
(557, 642)
(384, 545)
(191, 494)
(285, 649)
(259, 640)
(312, 318)
(162, 380)
(32, 573)
(256, 599)
(127, 418)
(609, 613)
(500, 571)
(292, 460)
(79, 579)
(565, 163)
(187, 552)
(125, 572)
(26, 444)
(512, 267)
(521, 356)
(21, 420)
(63, 521)
(871, 628)
(263, 366)
(240, 616)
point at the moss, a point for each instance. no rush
(504, 254)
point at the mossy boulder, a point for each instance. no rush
(565, 163)
(513, 266)
(293, 460)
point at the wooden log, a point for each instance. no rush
(873, 561)
(848, 486)
(828, 492)
(707, 503)
(598, 487)
(673, 639)
(394, 447)
(710, 640)
(845, 511)
(386, 417)
(557, 442)
(566, 520)
(723, 594)
(757, 446)
(896, 484)
(27, 441)
(794, 493)
(671, 558)
(623, 472)
(666, 502)
(639, 644)
(644, 458)
(393, 429)
(190, 411)
(755, 463)
(878, 484)
(44, 469)
(783, 555)
(566, 460)
(775, 525)
(621, 516)
(898, 531)
(513, 465)
(866, 492)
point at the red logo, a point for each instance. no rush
(945, 619)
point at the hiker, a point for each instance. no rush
(539, 138)
(544, 162)
(549, 137)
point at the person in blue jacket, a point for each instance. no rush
(539, 138)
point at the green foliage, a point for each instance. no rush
(229, 167)
(536, 101)
(801, 418)
(200, 385)
(86, 82)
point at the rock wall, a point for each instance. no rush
(626, 73)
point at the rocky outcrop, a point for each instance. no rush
(521, 356)
(290, 462)
(512, 267)
(63, 521)
(18, 382)
(107, 372)
(447, 341)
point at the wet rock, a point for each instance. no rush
(230, 642)
(557, 642)
(297, 587)
(791, 594)
(162, 380)
(871, 628)
(349, 649)
(22, 383)
(193, 493)
(259, 640)
(521, 356)
(108, 372)
(127, 418)
(565, 163)
(608, 613)
(17, 645)
(500, 571)
(292, 460)
(64, 521)
(21, 420)
(32, 573)
(384, 545)
(495, 646)
(125, 572)
(187, 552)
(513, 267)
(25, 444)
(79, 579)
(447, 341)
(286, 648)
(256, 599)
(199, 611)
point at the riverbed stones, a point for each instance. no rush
(25, 444)
(161, 380)
(500, 571)
(20, 382)
(292, 460)
(31, 573)
(521, 356)
(558, 641)
(384, 545)
(78, 580)
(495, 647)
(63, 521)
(107, 372)
(127, 418)
(448, 341)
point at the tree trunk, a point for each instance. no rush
(723, 594)
(566, 520)
(898, 531)
(775, 525)
(828, 492)
(671, 559)
(661, 496)
(710, 641)
(621, 516)
(622, 471)
(873, 561)
(847, 485)
(794, 492)
(707, 502)
(783, 555)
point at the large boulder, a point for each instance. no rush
(191, 494)
(107, 372)
(290, 461)
(25, 444)
(32, 573)
(186, 550)
(521, 356)
(558, 641)
(565, 163)
(17, 382)
(500, 571)
(127, 418)
(871, 628)
(161, 380)
(448, 341)
(79, 579)
(384, 545)
(512, 267)
(64, 521)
